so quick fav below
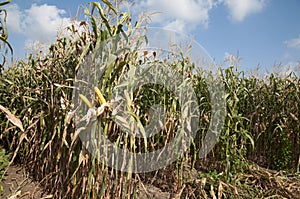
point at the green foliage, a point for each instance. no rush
(272, 108)
(261, 123)
(4, 161)
(39, 91)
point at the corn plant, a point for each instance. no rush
(4, 45)
(60, 113)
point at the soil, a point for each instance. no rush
(18, 185)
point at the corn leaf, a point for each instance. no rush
(12, 118)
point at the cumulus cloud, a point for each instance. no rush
(240, 9)
(181, 15)
(41, 22)
(14, 19)
(38, 23)
(177, 25)
(293, 43)
(186, 15)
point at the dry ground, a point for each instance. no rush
(18, 185)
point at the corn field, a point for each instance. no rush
(257, 154)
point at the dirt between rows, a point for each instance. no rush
(18, 185)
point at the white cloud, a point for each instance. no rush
(293, 43)
(39, 22)
(186, 15)
(240, 9)
(14, 18)
(177, 14)
(177, 25)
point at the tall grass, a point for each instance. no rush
(261, 123)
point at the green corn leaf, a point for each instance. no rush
(110, 6)
(103, 17)
(93, 22)
(110, 67)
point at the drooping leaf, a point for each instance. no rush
(12, 118)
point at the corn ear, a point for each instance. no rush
(88, 103)
(100, 96)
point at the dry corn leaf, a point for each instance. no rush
(12, 118)
(220, 190)
(16, 195)
(212, 192)
(48, 197)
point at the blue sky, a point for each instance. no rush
(261, 32)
